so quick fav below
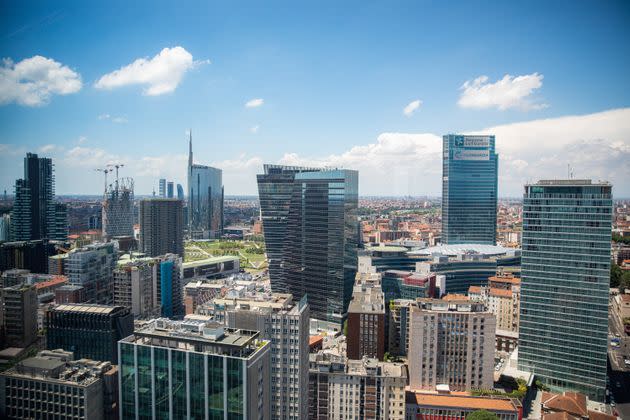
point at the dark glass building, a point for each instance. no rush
(310, 224)
(565, 284)
(161, 226)
(89, 331)
(469, 189)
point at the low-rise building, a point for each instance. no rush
(53, 385)
(569, 406)
(446, 405)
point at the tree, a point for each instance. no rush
(482, 415)
(615, 274)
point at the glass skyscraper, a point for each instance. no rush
(469, 189)
(310, 224)
(205, 199)
(565, 284)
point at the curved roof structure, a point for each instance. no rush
(461, 249)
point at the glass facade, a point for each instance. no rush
(170, 384)
(565, 284)
(469, 189)
(205, 201)
(311, 235)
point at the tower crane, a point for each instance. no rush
(116, 165)
(105, 171)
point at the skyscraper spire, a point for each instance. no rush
(190, 154)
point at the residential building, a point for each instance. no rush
(569, 405)
(355, 389)
(194, 369)
(161, 227)
(197, 293)
(31, 255)
(89, 331)
(446, 405)
(400, 284)
(5, 225)
(311, 233)
(92, 267)
(70, 293)
(451, 342)
(469, 189)
(58, 228)
(135, 286)
(565, 284)
(170, 190)
(118, 211)
(366, 318)
(502, 296)
(33, 215)
(205, 199)
(19, 314)
(53, 385)
(286, 325)
(398, 326)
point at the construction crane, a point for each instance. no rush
(116, 165)
(105, 171)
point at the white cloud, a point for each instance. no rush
(254, 103)
(33, 81)
(81, 140)
(48, 148)
(509, 92)
(117, 120)
(412, 107)
(161, 74)
(104, 117)
(254, 129)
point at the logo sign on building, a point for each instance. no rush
(471, 154)
(476, 142)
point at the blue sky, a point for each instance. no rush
(334, 80)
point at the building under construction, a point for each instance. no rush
(118, 207)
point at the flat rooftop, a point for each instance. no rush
(210, 260)
(461, 402)
(87, 308)
(464, 249)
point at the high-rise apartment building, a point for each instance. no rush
(92, 267)
(19, 314)
(161, 226)
(53, 385)
(286, 325)
(5, 226)
(451, 342)
(89, 331)
(58, 230)
(170, 190)
(205, 199)
(194, 369)
(565, 284)
(502, 296)
(310, 225)
(118, 211)
(469, 189)
(135, 287)
(33, 214)
(366, 318)
(355, 389)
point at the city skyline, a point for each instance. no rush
(255, 87)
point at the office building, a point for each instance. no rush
(211, 267)
(117, 214)
(162, 188)
(92, 267)
(19, 314)
(502, 296)
(565, 284)
(135, 287)
(205, 199)
(366, 318)
(445, 405)
(5, 227)
(469, 190)
(310, 225)
(285, 324)
(398, 326)
(170, 190)
(53, 385)
(355, 389)
(33, 214)
(89, 331)
(169, 285)
(161, 227)
(194, 369)
(70, 293)
(451, 342)
(399, 284)
(180, 192)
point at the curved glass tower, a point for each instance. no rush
(469, 189)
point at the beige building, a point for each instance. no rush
(135, 287)
(503, 298)
(356, 389)
(451, 342)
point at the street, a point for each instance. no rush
(618, 372)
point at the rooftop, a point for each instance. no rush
(211, 260)
(52, 282)
(569, 182)
(465, 249)
(87, 308)
(461, 402)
